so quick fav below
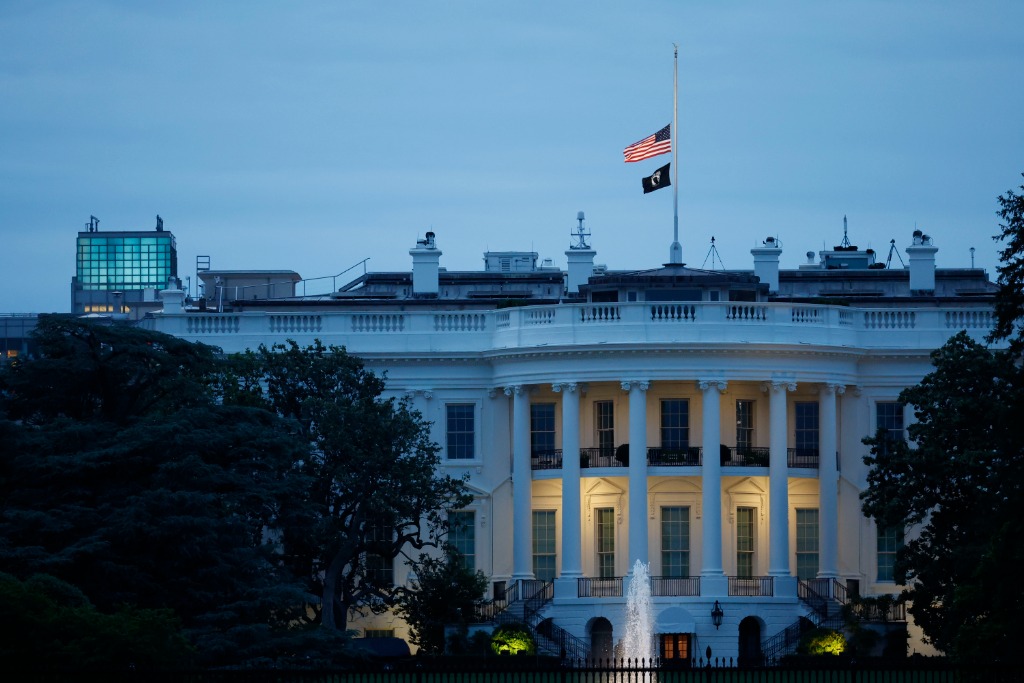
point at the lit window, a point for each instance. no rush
(807, 543)
(745, 543)
(544, 544)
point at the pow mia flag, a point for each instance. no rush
(657, 180)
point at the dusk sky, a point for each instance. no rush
(309, 136)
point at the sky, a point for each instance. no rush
(311, 136)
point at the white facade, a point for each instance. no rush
(777, 387)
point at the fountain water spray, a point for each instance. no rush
(639, 641)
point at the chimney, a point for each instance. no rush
(173, 297)
(426, 258)
(922, 263)
(766, 263)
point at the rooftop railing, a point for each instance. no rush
(392, 331)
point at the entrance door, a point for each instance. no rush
(750, 643)
(601, 651)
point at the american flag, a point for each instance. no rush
(650, 146)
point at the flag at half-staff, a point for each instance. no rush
(650, 146)
(657, 180)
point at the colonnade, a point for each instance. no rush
(711, 478)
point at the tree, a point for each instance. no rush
(121, 471)
(445, 592)
(1009, 307)
(375, 493)
(963, 483)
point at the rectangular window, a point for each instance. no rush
(675, 542)
(605, 543)
(745, 542)
(462, 535)
(544, 544)
(890, 540)
(675, 424)
(542, 428)
(461, 431)
(744, 425)
(604, 422)
(806, 437)
(380, 571)
(889, 416)
(807, 544)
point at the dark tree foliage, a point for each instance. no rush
(375, 489)
(1010, 298)
(51, 625)
(445, 592)
(963, 482)
(121, 472)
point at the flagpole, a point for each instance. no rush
(675, 254)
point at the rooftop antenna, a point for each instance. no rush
(894, 250)
(580, 235)
(972, 258)
(159, 223)
(846, 240)
(713, 254)
(94, 224)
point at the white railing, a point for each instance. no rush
(576, 324)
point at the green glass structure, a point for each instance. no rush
(125, 260)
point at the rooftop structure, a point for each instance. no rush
(120, 272)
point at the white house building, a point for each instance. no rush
(707, 422)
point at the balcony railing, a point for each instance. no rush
(605, 457)
(600, 588)
(675, 457)
(744, 456)
(546, 460)
(752, 587)
(685, 586)
(802, 457)
(691, 456)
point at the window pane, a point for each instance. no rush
(806, 418)
(675, 541)
(462, 535)
(807, 543)
(542, 428)
(745, 542)
(604, 419)
(889, 416)
(744, 424)
(544, 544)
(605, 543)
(890, 540)
(460, 431)
(675, 424)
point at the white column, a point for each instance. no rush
(572, 564)
(778, 480)
(522, 490)
(637, 471)
(828, 481)
(711, 478)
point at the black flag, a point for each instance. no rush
(657, 180)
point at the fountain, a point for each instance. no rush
(639, 641)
